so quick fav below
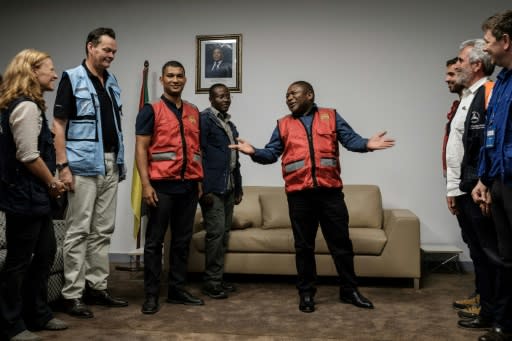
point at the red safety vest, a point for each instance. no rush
(174, 152)
(310, 162)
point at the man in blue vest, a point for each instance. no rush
(308, 141)
(495, 168)
(90, 160)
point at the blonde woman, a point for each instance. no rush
(27, 167)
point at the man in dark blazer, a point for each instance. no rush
(219, 68)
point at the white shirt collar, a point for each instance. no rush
(473, 88)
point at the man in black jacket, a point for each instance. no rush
(222, 187)
(464, 142)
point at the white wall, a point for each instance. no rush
(380, 63)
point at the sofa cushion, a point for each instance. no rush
(364, 204)
(274, 209)
(365, 241)
(240, 222)
(253, 239)
(248, 212)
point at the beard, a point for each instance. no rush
(463, 77)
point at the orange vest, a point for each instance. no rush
(174, 152)
(310, 162)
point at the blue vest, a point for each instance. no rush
(21, 192)
(84, 140)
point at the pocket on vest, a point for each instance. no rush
(82, 130)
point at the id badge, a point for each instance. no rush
(489, 139)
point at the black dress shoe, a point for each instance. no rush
(180, 296)
(228, 287)
(76, 307)
(214, 291)
(475, 323)
(150, 305)
(103, 297)
(307, 303)
(496, 334)
(354, 297)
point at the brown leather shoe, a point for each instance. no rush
(467, 302)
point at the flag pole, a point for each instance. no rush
(136, 196)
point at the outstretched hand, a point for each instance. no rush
(243, 146)
(380, 141)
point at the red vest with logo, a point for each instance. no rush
(174, 152)
(310, 161)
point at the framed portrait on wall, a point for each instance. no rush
(219, 60)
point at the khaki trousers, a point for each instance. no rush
(90, 220)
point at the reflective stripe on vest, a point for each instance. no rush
(174, 152)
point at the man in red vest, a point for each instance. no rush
(168, 157)
(308, 140)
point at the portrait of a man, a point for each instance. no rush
(218, 61)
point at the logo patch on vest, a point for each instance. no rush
(475, 117)
(192, 119)
(324, 116)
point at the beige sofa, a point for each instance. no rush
(386, 241)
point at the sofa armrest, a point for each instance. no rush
(402, 224)
(402, 228)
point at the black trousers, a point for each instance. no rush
(502, 214)
(479, 233)
(178, 211)
(326, 207)
(31, 248)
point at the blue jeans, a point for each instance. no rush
(502, 214)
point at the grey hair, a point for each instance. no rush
(477, 54)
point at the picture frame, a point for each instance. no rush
(219, 60)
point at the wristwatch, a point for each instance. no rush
(61, 166)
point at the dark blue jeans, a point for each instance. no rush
(217, 222)
(326, 207)
(478, 233)
(502, 214)
(178, 211)
(31, 248)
